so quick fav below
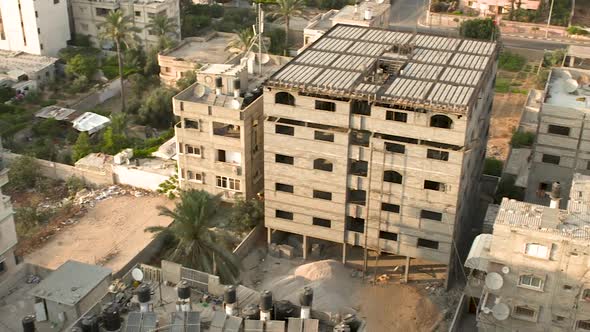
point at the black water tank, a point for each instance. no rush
(90, 324)
(342, 327)
(218, 82)
(306, 298)
(111, 318)
(184, 291)
(251, 312)
(352, 321)
(283, 309)
(236, 84)
(229, 295)
(144, 293)
(28, 323)
(266, 301)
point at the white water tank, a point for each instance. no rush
(570, 85)
(368, 14)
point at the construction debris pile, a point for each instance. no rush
(88, 198)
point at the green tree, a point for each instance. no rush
(246, 214)
(23, 173)
(285, 9)
(112, 143)
(156, 111)
(186, 81)
(242, 41)
(119, 29)
(81, 65)
(198, 240)
(82, 147)
(164, 28)
(480, 29)
(119, 123)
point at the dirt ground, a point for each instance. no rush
(387, 305)
(109, 234)
(505, 116)
(582, 13)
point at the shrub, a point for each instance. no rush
(79, 84)
(576, 30)
(522, 139)
(236, 19)
(6, 94)
(493, 167)
(48, 102)
(479, 29)
(511, 61)
(507, 188)
(24, 173)
(75, 184)
(277, 41)
(553, 58)
(246, 214)
(81, 65)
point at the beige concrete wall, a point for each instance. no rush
(250, 168)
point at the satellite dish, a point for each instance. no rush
(570, 85)
(199, 90)
(137, 274)
(494, 281)
(264, 59)
(501, 311)
(505, 270)
(251, 56)
(235, 104)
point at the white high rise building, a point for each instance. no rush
(34, 26)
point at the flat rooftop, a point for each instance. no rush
(20, 61)
(199, 51)
(569, 87)
(71, 282)
(350, 13)
(573, 223)
(401, 68)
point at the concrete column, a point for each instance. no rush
(305, 247)
(344, 253)
(407, 269)
(268, 235)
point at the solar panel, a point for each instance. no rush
(254, 326)
(149, 320)
(134, 319)
(295, 325)
(232, 324)
(275, 326)
(193, 318)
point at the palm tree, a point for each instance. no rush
(164, 27)
(242, 41)
(198, 243)
(286, 9)
(119, 29)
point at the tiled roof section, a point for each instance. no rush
(573, 223)
(420, 70)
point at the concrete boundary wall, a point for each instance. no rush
(109, 90)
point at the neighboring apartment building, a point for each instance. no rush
(34, 26)
(532, 273)
(492, 7)
(562, 142)
(88, 16)
(8, 239)
(219, 136)
(366, 13)
(377, 138)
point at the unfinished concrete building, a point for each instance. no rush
(531, 274)
(8, 239)
(377, 138)
(219, 136)
(88, 15)
(562, 142)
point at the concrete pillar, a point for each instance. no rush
(268, 235)
(344, 253)
(407, 269)
(305, 247)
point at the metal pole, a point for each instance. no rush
(368, 199)
(549, 19)
(260, 29)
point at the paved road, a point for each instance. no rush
(405, 14)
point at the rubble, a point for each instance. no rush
(33, 279)
(89, 198)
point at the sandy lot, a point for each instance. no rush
(505, 116)
(110, 234)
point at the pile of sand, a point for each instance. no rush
(333, 286)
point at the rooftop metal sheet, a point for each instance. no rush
(71, 282)
(435, 70)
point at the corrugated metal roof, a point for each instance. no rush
(435, 70)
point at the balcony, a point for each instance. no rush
(226, 130)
